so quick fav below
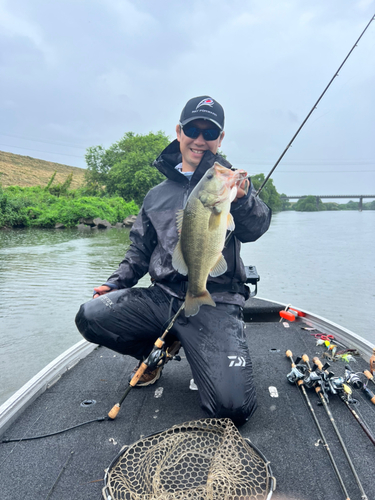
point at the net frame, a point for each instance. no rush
(205, 459)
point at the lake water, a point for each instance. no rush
(323, 262)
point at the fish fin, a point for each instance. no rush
(220, 267)
(193, 304)
(178, 261)
(233, 193)
(179, 217)
(214, 221)
(230, 222)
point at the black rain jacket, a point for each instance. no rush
(154, 233)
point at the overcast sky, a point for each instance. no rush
(79, 73)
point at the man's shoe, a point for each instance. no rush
(148, 378)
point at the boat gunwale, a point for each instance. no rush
(13, 407)
(349, 338)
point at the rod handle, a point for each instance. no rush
(114, 412)
(368, 375)
(318, 363)
(305, 358)
(138, 374)
(289, 355)
(159, 343)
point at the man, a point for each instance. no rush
(129, 320)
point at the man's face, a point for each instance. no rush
(192, 150)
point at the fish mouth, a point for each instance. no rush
(230, 177)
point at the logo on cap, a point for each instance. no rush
(206, 102)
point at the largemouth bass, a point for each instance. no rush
(202, 227)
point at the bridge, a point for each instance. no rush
(319, 197)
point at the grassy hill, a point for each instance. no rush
(17, 170)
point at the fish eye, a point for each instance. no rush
(209, 176)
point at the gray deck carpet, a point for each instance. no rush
(71, 465)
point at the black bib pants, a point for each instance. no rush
(129, 321)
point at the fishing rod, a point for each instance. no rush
(295, 376)
(311, 111)
(369, 376)
(337, 385)
(157, 358)
(370, 395)
(319, 390)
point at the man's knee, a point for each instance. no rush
(239, 415)
(83, 322)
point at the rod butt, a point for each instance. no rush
(114, 412)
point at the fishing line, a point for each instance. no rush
(312, 109)
(18, 440)
(100, 419)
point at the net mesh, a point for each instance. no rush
(203, 459)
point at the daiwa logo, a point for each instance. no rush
(206, 102)
(237, 361)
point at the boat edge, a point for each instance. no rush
(44, 379)
(351, 339)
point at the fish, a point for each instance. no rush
(202, 226)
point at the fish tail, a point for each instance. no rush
(193, 302)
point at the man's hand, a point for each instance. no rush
(101, 290)
(242, 189)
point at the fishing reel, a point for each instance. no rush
(159, 357)
(311, 379)
(337, 383)
(332, 383)
(156, 359)
(352, 378)
(326, 380)
(297, 373)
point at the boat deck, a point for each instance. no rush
(71, 465)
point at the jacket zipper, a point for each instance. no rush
(186, 194)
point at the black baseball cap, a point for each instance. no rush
(203, 108)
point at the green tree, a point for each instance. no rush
(99, 162)
(269, 193)
(285, 203)
(125, 169)
(352, 205)
(331, 206)
(308, 204)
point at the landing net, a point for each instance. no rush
(202, 459)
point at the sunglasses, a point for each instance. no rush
(209, 134)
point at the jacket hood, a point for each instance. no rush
(171, 156)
